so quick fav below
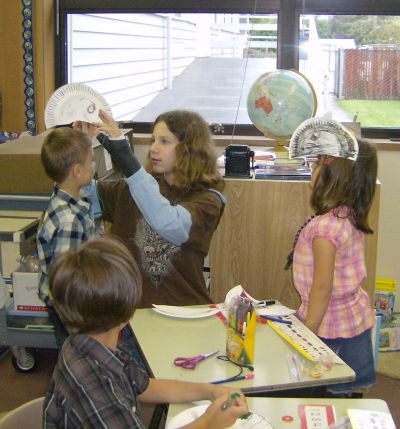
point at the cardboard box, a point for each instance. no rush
(104, 165)
(17, 237)
(25, 292)
(21, 170)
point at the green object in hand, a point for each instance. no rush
(228, 403)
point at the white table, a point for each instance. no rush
(163, 338)
(273, 409)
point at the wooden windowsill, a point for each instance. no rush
(222, 141)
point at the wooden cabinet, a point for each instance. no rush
(256, 233)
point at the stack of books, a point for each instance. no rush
(284, 169)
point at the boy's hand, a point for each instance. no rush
(86, 127)
(218, 390)
(224, 411)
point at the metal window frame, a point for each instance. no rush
(288, 12)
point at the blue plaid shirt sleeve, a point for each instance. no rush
(66, 225)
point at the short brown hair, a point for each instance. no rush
(196, 159)
(96, 286)
(62, 148)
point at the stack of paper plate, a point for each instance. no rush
(184, 312)
(74, 102)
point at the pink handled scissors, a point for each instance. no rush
(191, 362)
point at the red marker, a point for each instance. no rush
(240, 377)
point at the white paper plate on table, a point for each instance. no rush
(74, 102)
(184, 312)
(255, 421)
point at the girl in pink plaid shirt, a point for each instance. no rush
(328, 255)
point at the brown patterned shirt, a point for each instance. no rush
(172, 275)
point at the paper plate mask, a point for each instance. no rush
(74, 102)
(319, 136)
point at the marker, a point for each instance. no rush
(276, 319)
(229, 402)
(240, 377)
(246, 416)
(266, 303)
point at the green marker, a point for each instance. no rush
(229, 402)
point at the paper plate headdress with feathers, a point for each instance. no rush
(319, 136)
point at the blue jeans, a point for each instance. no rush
(357, 353)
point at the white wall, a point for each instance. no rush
(388, 258)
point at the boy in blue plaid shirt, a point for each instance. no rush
(68, 159)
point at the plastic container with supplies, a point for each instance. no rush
(28, 263)
(385, 293)
(17, 237)
(241, 330)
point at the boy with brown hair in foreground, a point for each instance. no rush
(96, 383)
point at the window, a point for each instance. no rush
(145, 64)
(145, 57)
(354, 71)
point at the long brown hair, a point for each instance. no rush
(343, 182)
(196, 160)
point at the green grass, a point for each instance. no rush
(374, 113)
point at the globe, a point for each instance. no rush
(279, 101)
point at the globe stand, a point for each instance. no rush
(281, 151)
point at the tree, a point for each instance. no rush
(365, 29)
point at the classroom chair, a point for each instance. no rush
(31, 412)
